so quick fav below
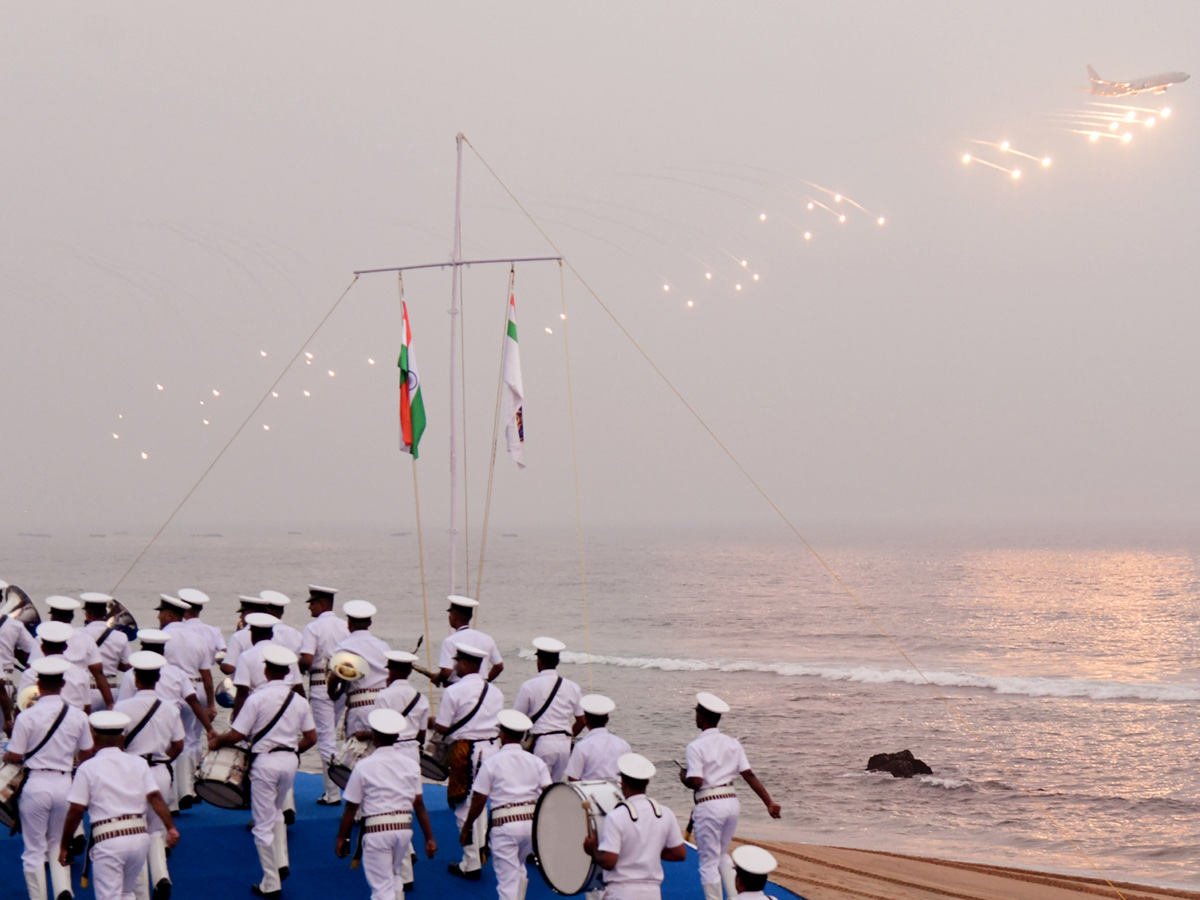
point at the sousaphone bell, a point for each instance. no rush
(346, 668)
(17, 605)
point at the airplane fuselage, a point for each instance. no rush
(1156, 84)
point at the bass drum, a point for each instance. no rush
(351, 753)
(566, 813)
(224, 778)
(12, 778)
(435, 758)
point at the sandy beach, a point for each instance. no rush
(834, 873)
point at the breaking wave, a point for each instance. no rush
(1092, 689)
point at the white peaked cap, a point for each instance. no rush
(193, 596)
(317, 589)
(60, 602)
(358, 609)
(469, 650)
(55, 632)
(261, 620)
(3, 584)
(95, 597)
(511, 720)
(147, 661)
(636, 766)
(173, 602)
(597, 704)
(277, 655)
(246, 598)
(153, 636)
(462, 602)
(275, 598)
(51, 665)
(548, 645)
(386, 721)
(109, 720)
(712, 703)
(754, 860)
(401, 656)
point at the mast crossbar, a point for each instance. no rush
(461, 262)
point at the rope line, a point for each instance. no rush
(953, 710)
(462, 368)
(233, 437)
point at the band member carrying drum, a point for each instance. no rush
(270, 719)
(405, 699)
(595, 755)
(636, 837)
(81, 649)
(112, 642)
(512, 779)
(53, 640)
(552, 704)
(45, 739)
(468, 718)
(460, 612)
(156, 734)
(386, 789)
(317, 643)
(713, 761)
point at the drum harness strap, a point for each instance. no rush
(279, 715)
(137, 729)
(62, 714)
(633, 812)
(541, 712)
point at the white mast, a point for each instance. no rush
(456, 270)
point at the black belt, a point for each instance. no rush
(284, 750)
(538, 734)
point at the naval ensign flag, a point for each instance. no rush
(514, 393)
(412, 407)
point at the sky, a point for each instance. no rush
(187, 187)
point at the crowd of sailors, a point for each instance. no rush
(100, 726)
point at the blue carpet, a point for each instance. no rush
(216, 858)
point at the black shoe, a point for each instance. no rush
(269, 895)
(284, 872)
(289, 817)
(162, 890)
(408, 887)
(321, 801)
(78, 846)
(472, 875)
(66, 895)
(185, 802)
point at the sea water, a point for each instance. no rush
(1051, 682)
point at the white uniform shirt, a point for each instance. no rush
(321, 636)
(112, 783)
(511, 776)
(13, 637)
(287, 636)
(560, 715)
(460, 698)
(73, 735)
(397, 696)
(172, 685)
(260, 708)
(388, 780)
(187, 649)
(715, 758)
(595, 756)
(251, 672)
(164, 727)
(372, 649)
(469, 636)
(114, 650)
(239, 641)
(77, 685)
(81, 650)
(638, 845)
(207, 637)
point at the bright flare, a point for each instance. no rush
(274, 393)
(145, 456)
(756, 276)
(309, 355)
(266, 428)
(1150, 120)
(837, 198)
(263, 352)
(966, 158)
(159, 386)
(690, 304)
(308, 393)
(1126, 137)
(708, 276)
(762, 217)
(563, 316)
(666, 287)
(1045, 161)
(331, 373)
(205, 421)
(549, 330)
(810, 206)
(841, 218)
(808, 235)
(744, 264)
(370, 362)
(116, 437)
(1016, 173)
(1094, 137)
(1004, 145)
(216, 393)
(737, 287)
(1166, 112)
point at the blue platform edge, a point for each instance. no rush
(216, 858)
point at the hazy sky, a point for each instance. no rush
(186, 186)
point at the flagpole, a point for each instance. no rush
(455, 256)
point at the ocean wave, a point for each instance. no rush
(1084, 688)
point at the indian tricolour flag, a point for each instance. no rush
(412, 407)
(514, 393)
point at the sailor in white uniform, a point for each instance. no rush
(636, 837)
(155, 733)
(512, 779)
(250, 674)
(385, 789)
(468, 716)
(46, 738)
(16, 645)
(270, 720)
(285, 635)
(81, 649)
(318, 640)
(460, 611)
(751, 866)
(713, 761)
(211, 637)
(552, 704)
(404, 698)
(115, 789)
(188, 650)
(54, 640)
(361, 694)
(112, 644)
(240, 639)
(595, 754)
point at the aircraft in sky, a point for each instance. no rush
(1157, 84)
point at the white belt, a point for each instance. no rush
(119, 826)
(316, 675)
(401, 820)
(720, 792)
(359, 699)
(512, 812)
(111, 679)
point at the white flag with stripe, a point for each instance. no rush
(514, 392)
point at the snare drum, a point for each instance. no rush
(349, 754)
(435, 760)
(566, 813)
(12, 778)
(224, 778)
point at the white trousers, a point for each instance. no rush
(116, 864)
(470, 858)
(271, 777)
(384, 855)
(715, 821)
(510, 844)
(43, 810)
(637, 890)
(162, 777)
(325, 715)
(555, 751)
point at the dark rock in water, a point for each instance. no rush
(900, 765)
